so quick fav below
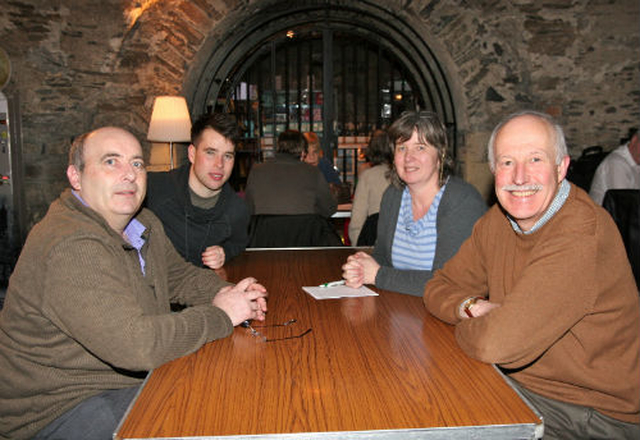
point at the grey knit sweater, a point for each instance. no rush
(461, 205)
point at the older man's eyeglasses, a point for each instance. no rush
(263, 338)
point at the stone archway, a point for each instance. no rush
(222, 51)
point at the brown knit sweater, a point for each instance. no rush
(569, 323)
(80, 317)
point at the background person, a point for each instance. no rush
(287, 185)
(202, 215)
(87, 311)
(371, 185)
(543, 289)
(425, 214)
(619, 170)
(314, 155)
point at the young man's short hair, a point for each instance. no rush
(222, 123)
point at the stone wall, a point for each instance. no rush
(80, 64)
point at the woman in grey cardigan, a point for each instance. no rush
(425, 214)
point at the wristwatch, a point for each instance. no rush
(468, 303)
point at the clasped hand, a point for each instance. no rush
(247, 300)
(360, 268)
(213, 257)
(482, 307)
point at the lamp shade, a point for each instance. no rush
(170, 121)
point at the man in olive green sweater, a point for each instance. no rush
(543, 288)
(87, 311)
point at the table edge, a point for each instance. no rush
(496, 432)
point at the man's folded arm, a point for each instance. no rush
(100, 309)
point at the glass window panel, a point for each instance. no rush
(282, 88)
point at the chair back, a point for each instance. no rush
(624, 207)
(304, 230)
(582, 169)
(369, 231)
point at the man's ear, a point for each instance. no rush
(563, 167)
(191, 153)
(74, 177)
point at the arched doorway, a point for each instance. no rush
(336, 69)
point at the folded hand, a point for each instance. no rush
(247, 300)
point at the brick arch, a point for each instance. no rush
(175, 47)
(233, 38)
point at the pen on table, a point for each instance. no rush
(333, 284)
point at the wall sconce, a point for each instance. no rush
(170, 122)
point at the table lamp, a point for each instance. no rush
(170, 122)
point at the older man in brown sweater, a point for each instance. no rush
(87, 311)
(543, 288)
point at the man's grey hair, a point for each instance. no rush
(560, 144)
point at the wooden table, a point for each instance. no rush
(343, 211)
(372, 367)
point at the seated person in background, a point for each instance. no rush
(287, 185)
(313, 155)
(371, 185)
(425, 214)
(619, 170)
(87, 311)
(202, 215)
(543, 289)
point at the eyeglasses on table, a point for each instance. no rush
(263, 338)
